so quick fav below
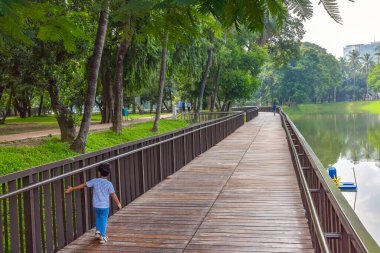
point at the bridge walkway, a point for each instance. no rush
(240, 196)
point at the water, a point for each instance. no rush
(350, 141)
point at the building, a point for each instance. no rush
(362, 49)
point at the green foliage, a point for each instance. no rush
(22, 157)
(374, 78)
(311, 78)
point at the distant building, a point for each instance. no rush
(362, 49)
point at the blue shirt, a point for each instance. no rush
(101, 192)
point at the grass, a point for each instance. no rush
(20, 157)
(17, 125)
(336, 108)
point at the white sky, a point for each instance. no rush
(361, 20)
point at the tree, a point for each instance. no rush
(79, 143)
(368, 64)
(374, 78)
(354, 62)
(205, 74)
(377, 53)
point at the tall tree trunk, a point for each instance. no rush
(7, 108)
(205, 74)
(64, 117)
(161, 82)
(216, 88)
(118, 86)
(41, 105)
(79, 143)
(108, 99)
(1, 90)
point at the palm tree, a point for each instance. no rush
(368, 64)
(377, 53)
(354, 63)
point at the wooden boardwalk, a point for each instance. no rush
(240, 196)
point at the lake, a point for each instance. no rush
(351, 143)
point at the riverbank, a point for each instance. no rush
(336, 108)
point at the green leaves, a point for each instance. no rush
(61, 29)
(302, 8)
(332, 8)
(374, 78)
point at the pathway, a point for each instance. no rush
(56, 132)
(240, 196)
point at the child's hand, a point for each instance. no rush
(69, 189)
(119, 206)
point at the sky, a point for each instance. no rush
(361, 21)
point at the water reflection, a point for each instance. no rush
(350, 141)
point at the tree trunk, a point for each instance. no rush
(1, 91)
(7, 108)
(118, 86)
(166, 106)
(63, 114)
(79, 143)
(205, 74)
(161, 82)
(228, 105)
(108, 100)
(216, 88)
(41, 105)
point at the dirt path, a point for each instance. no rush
(56, 132)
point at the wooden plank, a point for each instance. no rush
(240, 196)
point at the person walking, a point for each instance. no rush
(102, 190)
(274, 107)
(188, 106)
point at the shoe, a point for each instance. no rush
(103, 240)
(97, 234)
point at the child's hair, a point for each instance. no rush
(104, 169)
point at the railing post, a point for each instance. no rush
(174, 154)
(160, 160)
(13, 217)
(119, 177)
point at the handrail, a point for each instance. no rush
(322, 241)
(67, 174)
(347, 227)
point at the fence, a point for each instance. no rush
(250, 111)
(37, 216)
(333, 224)
(203, 116)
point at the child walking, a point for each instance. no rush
(102, 189)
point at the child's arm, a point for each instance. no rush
(116, 200)
(78, 187)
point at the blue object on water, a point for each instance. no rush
(347, 186)
(332, 172)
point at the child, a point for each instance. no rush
(100, 199)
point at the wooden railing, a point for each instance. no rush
(37, 216)
(250, 111)
(333, 224)
(202, 116)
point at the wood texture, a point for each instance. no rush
(240, 196)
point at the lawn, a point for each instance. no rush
(336, 108)
(19, 157)
(16, 125)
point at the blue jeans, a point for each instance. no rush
(101, 215)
